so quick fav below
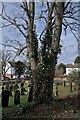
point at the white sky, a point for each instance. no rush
(69, 49)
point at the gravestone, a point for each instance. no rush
(5, 98)
(22, 91)
(16, 87)
(30, 97)
(10, 90)
(17, 97)
(64, 83)
(22, 88)
(7, 86)
(56, 89)
(2, 88)
(22, 84)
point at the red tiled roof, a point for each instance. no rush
(73, 65)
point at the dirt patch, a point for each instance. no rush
(59, 108)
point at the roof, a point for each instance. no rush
(61, 76)
(12, 63)
(73, 65)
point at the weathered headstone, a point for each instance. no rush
(56, 89)
(10, 90)
(22, 88)
(17, 97)
(2, 88)
(7, 86)
(22, 84)
(30, 96)
(22, 91)
(5, 98)
(16, 87)
(64, 83)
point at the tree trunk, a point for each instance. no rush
(31, 42)
(43, 90)
(44, 76)
(43, 71)
(44, 86)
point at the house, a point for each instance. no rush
(10, 70)
(6, 70)
(71, 67)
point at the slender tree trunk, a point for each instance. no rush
(31, 42)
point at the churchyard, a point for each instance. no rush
(60, 106)
(62, 92)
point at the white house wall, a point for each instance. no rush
(9, 69)
(68, 70)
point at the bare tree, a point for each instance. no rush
(56, 16)
(5, 58)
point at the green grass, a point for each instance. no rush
(23, 100)
(13, 110)
(11, 101)
(63, 91)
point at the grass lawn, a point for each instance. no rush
(23, 100)
(63, 91)
(56, 109)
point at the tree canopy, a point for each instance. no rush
(77, 60)
(19, 68)
(62, 68)
(74, 76)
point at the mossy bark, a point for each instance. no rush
(43, 90)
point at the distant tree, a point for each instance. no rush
(73, 77)
(19, 68)
(62, 68)
(77, 60)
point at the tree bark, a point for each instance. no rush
(31, 42)
(44, 86)
(43, 72)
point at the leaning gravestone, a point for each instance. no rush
(22, 89)
(5, 98)
(30, 93)
(16, 87)
(17, 97)
(22, 84)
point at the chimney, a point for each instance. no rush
(72, 63)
